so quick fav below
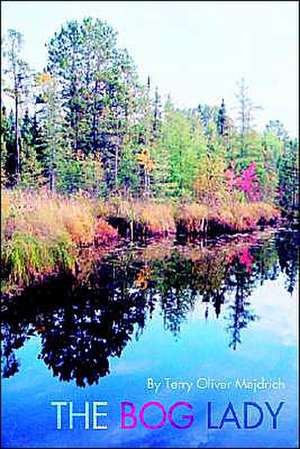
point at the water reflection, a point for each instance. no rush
(84, 321)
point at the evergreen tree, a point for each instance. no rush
(95, 127)
(95, 81)
(31, 175)
(16, 85)
(157, 115)
(8, 145)
(208, 115)
(289, 177)
(4, 128)
(55, 142)
(221, 119)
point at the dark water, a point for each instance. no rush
(224, 310)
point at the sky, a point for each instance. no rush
(194, 51)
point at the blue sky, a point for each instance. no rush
(196, 51)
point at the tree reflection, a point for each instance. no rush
(80, 329)
(84, 322)
(287, 246)
(241, 281)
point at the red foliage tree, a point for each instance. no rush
(247, 182)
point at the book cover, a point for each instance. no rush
(149, 224)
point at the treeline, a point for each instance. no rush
(86, 123)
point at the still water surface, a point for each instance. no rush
(223, 310)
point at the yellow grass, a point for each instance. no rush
(41, 231)
(192, 216)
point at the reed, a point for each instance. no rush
(239, 217)
(140, 218)
(191, 218)
(42, 232)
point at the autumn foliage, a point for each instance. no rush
(104, 233)
(42, 232)
(246, 182)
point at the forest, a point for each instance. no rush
(90, 153)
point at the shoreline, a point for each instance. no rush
(43, 234)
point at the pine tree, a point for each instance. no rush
(288, 178)
(221, 119)
(9, 146)
(31, 173)
(157, 116)
(16, 85)
(4, 136)
(55, 142)
(208, 117)
(95, 82)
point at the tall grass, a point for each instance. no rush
(42, 232)
(140, 217)
(240, 217)
(192, 218)
(25, 256)
(236, 216)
